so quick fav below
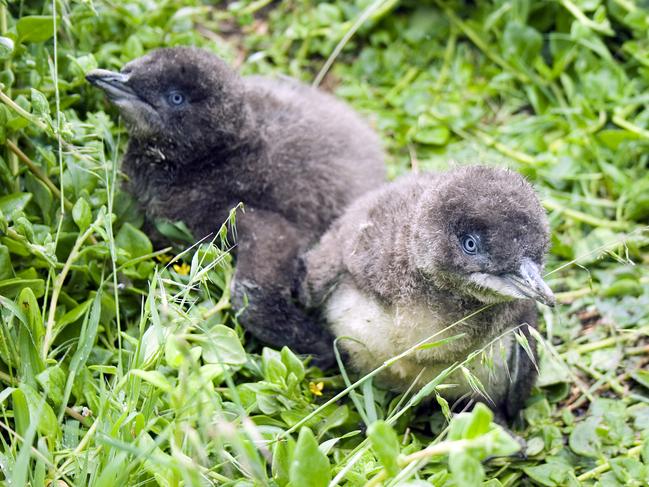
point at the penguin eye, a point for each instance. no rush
(469, 244)
(176, 98)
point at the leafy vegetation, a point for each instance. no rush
(123, 365)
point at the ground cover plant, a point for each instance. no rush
(122, 364)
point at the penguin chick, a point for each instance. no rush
(202, 139)
(406, 261)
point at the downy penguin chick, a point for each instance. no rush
(203, 139)
(406, 261)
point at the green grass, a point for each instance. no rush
(120, 368)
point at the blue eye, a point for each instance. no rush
(469, 244)
(176, 98)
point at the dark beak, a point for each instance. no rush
(529, 282)
(114, 84)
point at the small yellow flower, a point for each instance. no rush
(163, 258)
(316, 389)
(182, 269)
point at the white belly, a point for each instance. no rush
(376, 333)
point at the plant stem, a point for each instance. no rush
(366, 14)
(448, 59)
(612, 382)
(480, 43)
(605, 343)
(568, 297)
(82, 444)
(58, 286)
(585, 21)
(255, 6)
(57, 99)
(442, 448)
(594, 473)
(586, 218)
(631, 127)
(21, 111)
(36, 171)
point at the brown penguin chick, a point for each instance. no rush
(406, 261)
(203, 139)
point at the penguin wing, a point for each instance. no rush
(322, 269)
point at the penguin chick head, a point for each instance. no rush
(184, 102)
(482, 233)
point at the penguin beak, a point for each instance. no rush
(524, 283)
(138, 113)
(529, 282)
(114, 84)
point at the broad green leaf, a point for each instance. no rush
(385, 445)
(623, 287)
(292, 363)
(174, 352)
(552, 371)
(155, 378)
(30, 337)
(11, 287)
(549, 474)
(26, 428)
(521, 43)
(40, 105)
(501, 443)
(368, 401)
(337, 418)
(73, 315)
(467, 470)
(104, 369)
(52, 380)
(20, 410)
(283, 451)
(175, 231)
(211, 372)
(637, 200)
(641, 377)
(432, 135)
(223, 346)
(14, 202)
(613, 138)
(133, 241)
(84, 64)
(85, 343)
(6, 269)
(593, 246)
(628, 470)
(41, 413)
(35, 28)
(274, 370)
(538, 412)
(534, 446)
(82, 214)
(6, 47)
(310, 467)
(42, 195)
(481, 418)
(157, 463)
(114, 473)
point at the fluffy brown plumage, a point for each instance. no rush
(417, 255)
(203, 139)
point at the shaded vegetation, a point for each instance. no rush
(120, 366)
